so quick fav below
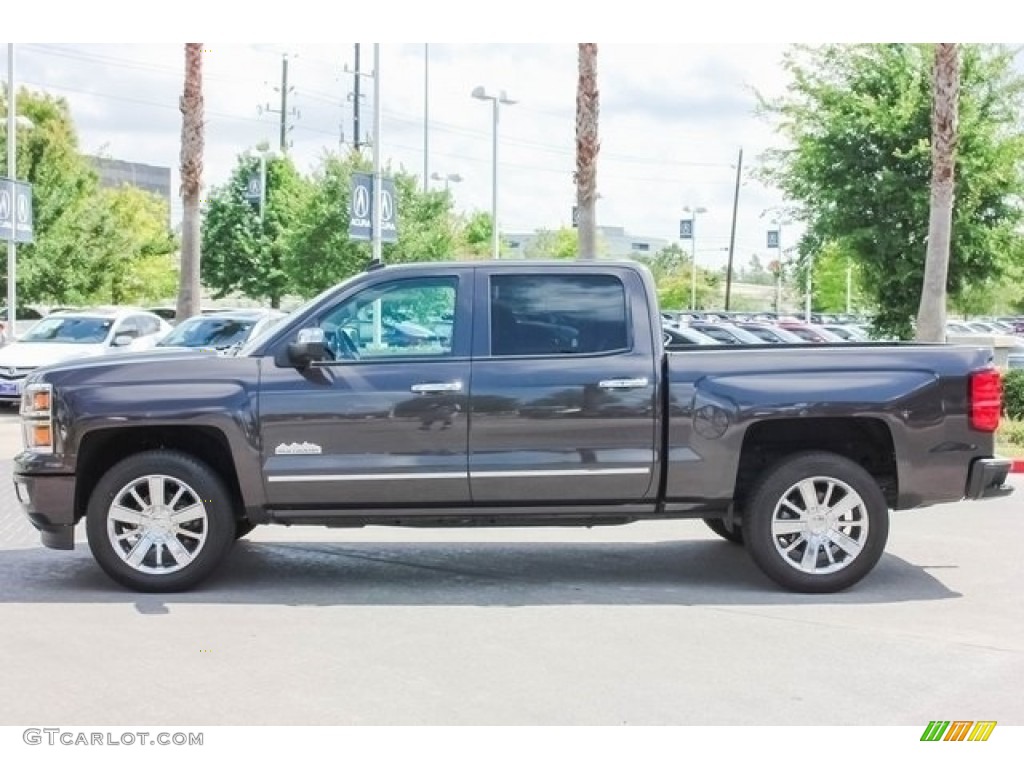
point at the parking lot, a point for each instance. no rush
(652, 623)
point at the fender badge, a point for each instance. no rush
(292, 449)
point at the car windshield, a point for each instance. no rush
(69, 330)
(209, 331)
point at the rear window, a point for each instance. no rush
(557, 315)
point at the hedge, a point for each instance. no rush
(1013, 393)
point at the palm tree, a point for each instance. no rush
(191, 179)
(587, 147)
(931, 314)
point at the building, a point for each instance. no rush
(116, 173)
(613, 243)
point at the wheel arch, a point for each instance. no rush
(101, 449)
(867, 441)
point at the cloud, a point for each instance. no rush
(673, 118)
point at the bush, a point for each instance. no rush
(1013, 393)
(1012, 433)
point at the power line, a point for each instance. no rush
(403, 117)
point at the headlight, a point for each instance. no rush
(37, 417)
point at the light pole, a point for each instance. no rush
(500, 98)
(779, 220)
(693, 251)
(447, 178)
(14, 122)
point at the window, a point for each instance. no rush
(128, 327)
(411, 317)
(557, 314)
(641, 246)
(147, 325)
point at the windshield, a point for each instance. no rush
(70, 330)
(218, 332)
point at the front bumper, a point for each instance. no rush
(49, 503)
(987, 479)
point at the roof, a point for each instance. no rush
(111, 312)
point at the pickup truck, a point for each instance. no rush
(541, 395)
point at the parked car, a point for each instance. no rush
(682, 337)
(726, 333)
(24, 318)
(770, 333)
(221, 331)
(847, 331)
(62, 336)
(811, 332)
(169, 314)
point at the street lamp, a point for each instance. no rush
(501, 98)
(693, 251)
(779, 220)
(454, 178)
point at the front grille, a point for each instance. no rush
(11, 374)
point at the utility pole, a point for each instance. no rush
(284, 112)
(732, 234)
(357, 141)
(12, 173)
(377, 241)
(426, 115)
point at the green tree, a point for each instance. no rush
(561, 243)
(242, 253)
(136, 256)
(857, 120)
(474, 236)
(67, 221)
(320, 252)
(427, 228)
(831, 266)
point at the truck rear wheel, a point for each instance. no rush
(816, 522)
(160, 521)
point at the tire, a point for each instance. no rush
(834, 546)
(717, 525)
(140, 546)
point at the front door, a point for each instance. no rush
(385, 422)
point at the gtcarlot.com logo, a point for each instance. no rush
(958, 730)
(60, 737)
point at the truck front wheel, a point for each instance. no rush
(160, 521)
(816, 522)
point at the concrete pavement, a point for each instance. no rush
(651, 623)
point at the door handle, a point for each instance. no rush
(623, 383)
(434, 387)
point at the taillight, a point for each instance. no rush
(986, 399)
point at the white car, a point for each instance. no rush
(71, 334)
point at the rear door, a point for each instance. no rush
(564, 396)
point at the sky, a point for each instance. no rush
(674, 111)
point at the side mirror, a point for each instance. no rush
(309, 347)
(122, 340)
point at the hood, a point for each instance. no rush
(150, 370)
(33, 355)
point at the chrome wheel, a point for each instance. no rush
(157, 524)
(820, 525)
